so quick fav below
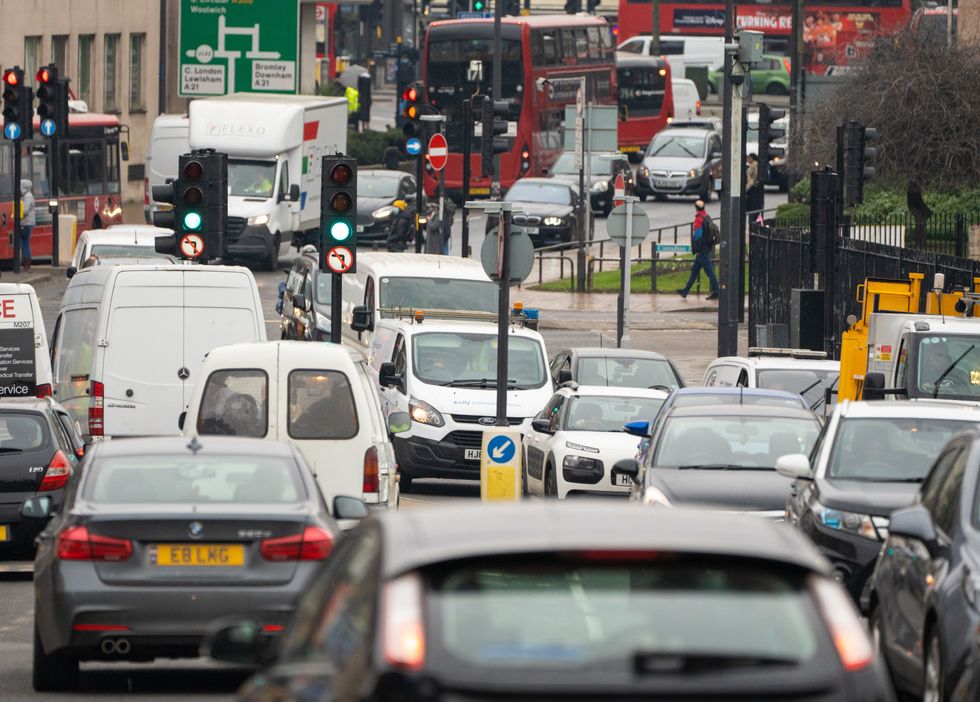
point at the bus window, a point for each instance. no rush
(39, 170)
(546, 51)
(568, 45)
(96, 167)
(582, 45)
(112, 166)
(595, 48)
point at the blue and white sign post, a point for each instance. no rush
(500, 465)
(413, 146)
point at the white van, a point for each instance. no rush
(135, 242)
(681, 51)
(319, 397)
(687, 102)
(443, 373)
(25, 366)
(168, 140)
(386, 283)
(129, 341)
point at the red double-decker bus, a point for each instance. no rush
(834, 33)
(646, 100)
(458, 63)
(88, 181)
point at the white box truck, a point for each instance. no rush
(274, 145)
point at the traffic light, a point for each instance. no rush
(858, 161)
(52, 102)
(573, 6)
(479, 5)
(769, 132)
(199, 207)
(338, 215)
(412, 108)
(493, 120)
(18, 106)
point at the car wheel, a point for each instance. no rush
(776, 89)
(271, 261)
(57, 672)
(551, 483)
(932, 675)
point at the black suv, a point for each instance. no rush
(304, 299)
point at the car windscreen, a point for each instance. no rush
(900, 449)
(604, 413)
(123, 251)
(184, 479)
(375, 185)
(598, 165)
(949, 367)
(582, 615)
(399, 292)
(625, 372)
(734, 398)
(251, 178)
(810, 383)
(21, 432)
(672, 145)
(751, 442)
(461, 359)
(544, 193)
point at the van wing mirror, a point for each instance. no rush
(387, 377)
(299, 300)
(362, 319)
(564, 375)
(71, 271)
(294, 192)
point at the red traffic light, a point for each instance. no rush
(341, 174)
(10, 77)
(411, 94)
(43, 75)
(193, 169)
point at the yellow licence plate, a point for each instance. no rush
(4, 532)
(629, 149)
(479, 191)
(232, 555)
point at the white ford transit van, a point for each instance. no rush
(129, 341)
(25, 365)
(443, 373)
(319, 397)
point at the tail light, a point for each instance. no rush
(313, 544)
(77, 544)
(96, 408)
(525, 159)
(59, 470)
(44, 390)
(146, 192)
(403, 627)
(697, 108)
(787, 64)
(850, 638)
(372, 482)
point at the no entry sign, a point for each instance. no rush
(438, 152)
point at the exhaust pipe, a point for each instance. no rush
(108, 646)
(115, 646)
(122, 646)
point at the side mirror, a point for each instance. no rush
(36, 508)
(346, 507)
(915, 522)
(399, 422)
(71, 271)
(542, 425)
(387, 377)
(299, 300)
(638, 428)
(874, 384)
(362, 319)
(716, 154)
(627, 467)
(294, 192)
(795, 466)
(124, 150)
(564, 375)
(181, 419)
(237, 641)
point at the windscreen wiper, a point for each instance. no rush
(477, 383)
(710, 466)
(935, 390)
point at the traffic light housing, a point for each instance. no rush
(493, 120)
(412, 109)
(510, 8)
(199, 207)
(769, 132)
(52, 101)
(338, 215)
(859, 161)
(18, 106)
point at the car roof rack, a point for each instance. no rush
(759, 351)
(418, 315)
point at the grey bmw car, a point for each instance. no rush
(158, 538)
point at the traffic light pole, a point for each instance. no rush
(498, 79)
(17, 224)
(336, 306)
(419, 195)
(503, 314)
(731, 230)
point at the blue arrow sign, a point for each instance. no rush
(413, 146)
(48, 127)
(12, 131)
(501, 449)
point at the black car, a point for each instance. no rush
(569, 601)
(377, 192)
(720, 457)
(604, 167)
(628, 368)
(157, 538)
(38, 455)
(305, 299)
(545, 208)
(924, 604)
(680, 161)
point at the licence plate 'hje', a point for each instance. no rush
(228, 555)
(471, 454)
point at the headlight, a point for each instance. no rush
(579, 447)
(850, 522)
(386, 212)
(322, 323)
(593, 465)
(554, 221)
(258, 220)
(655, 496)
(424, 413)
(600, 186)
(694, 173)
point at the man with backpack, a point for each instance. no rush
(704, 238)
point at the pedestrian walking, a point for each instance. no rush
(755, 191)
(402, 227)
(27, 222)
(435, 235)
(703, 240)
(392, 157)
(448, 218)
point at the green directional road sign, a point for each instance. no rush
(233, 46)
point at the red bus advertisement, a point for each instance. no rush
(458, 63)
(834, 33)
(646, 100)
(88, 181)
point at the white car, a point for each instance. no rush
(578, 437)
(120, 243)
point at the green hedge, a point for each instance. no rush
(882, 201)
(368, 147)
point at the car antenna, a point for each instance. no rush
(194, 445)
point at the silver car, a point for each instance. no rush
(159, 538)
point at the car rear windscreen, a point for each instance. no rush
(21, 432)
(588, 612)
(194, 479)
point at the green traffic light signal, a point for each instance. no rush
(192, 221)
(478, 5)
(340, 231)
